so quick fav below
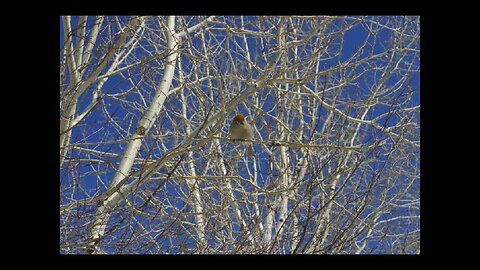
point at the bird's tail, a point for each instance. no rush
(249, 151)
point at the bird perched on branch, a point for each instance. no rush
(240, 129)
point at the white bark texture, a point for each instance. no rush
(147, 165)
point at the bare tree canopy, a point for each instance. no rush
(147, 165)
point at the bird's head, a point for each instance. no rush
(239, 118)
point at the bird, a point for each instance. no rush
(240, 129)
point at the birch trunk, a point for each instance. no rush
(193, 182)
(144, 125)
(78, 85)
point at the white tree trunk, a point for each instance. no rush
(144, 125)
(77, 84)
(336, 120)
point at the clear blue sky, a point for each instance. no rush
(96, 120)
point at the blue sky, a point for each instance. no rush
(99, 129)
